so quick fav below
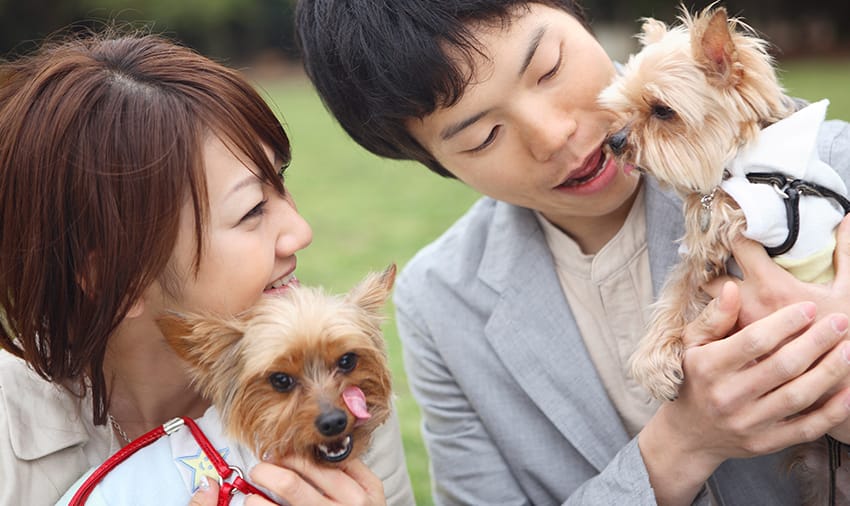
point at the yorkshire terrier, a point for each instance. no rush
(700, 108)
(300, 374)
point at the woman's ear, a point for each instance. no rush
(137, 309)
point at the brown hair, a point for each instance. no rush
(101, 140)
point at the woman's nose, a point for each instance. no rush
(294, 233)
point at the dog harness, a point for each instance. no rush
(230, 478)
(790, 190)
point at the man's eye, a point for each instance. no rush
(489, 140)
(257, 210)
(551, 73)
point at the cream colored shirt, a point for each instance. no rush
(48, 440)
(609, 294)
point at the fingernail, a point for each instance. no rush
(839, 324)
(205, 483)
(809, 310)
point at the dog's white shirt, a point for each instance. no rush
(168, 471)
(789, 147)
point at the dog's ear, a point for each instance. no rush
(714, 49)
(371, 294)
(201, 341)
(651, 31)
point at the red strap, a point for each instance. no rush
(224, 470)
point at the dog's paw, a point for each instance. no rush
(659, 370)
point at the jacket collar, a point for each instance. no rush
(539, 343)
(43, 418)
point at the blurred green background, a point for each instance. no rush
(367, 212)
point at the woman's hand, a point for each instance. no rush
(302, 482)
(763, 388)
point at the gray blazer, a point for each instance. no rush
(513, 409)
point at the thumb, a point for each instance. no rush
(207, 493)
(717, 319)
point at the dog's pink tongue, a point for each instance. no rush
(356, 402)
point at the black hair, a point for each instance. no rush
(379, 63)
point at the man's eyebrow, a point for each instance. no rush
(532, 48)
(452, 130)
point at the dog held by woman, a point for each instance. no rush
(302, 373)
(700, 108)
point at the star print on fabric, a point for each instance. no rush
(201, 466)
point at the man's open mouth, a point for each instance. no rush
(594, 167)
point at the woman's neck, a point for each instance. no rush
(147, 383)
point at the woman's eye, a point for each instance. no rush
(489, 140)
(281, 173)
(257, 210)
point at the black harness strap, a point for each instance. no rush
(792, 189)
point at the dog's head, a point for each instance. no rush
(304, 373)
(692, 96)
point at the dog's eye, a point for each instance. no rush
(347, 362)
(281, 382)
(661, 111)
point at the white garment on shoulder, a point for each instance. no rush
(789, 147)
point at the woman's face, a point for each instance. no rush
(251, 239)
(528, 129)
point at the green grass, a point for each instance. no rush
(367, 212)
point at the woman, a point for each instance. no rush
(136, 177)
(518, 321)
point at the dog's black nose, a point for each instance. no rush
(331, 423)
(617, 141)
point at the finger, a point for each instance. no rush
(808, 427)
(775, 373)
(361, 473)
(760, 338)
(335, 483)
(753, 260)
(841, 257)
(717, 319)
(206, 495)
(286, 484)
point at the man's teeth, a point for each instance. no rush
(282, 281)
(584, 179)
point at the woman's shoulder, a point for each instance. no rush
(41, 418)
(40, 440)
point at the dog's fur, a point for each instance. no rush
(303, 334)
(693, 96)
